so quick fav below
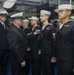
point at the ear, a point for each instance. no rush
(69, 12)
(47, 16)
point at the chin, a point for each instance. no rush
(59, 17)
(41, 20)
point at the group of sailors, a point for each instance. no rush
(43, 44)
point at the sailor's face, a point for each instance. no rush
(33, 22)
(43, 17)
(19, 22)
(63, 14)
(25, 24)
(3, 18)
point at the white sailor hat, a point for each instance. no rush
(17, 15)
(9, 3)
(34, 18)
(64, 6)
(26, 20)
(3, 12)
(45, 12)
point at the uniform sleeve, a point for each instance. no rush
(27, 31)
(53, 40)
(37, 28)
(13, 42)
(31, 36)
(72, 32)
